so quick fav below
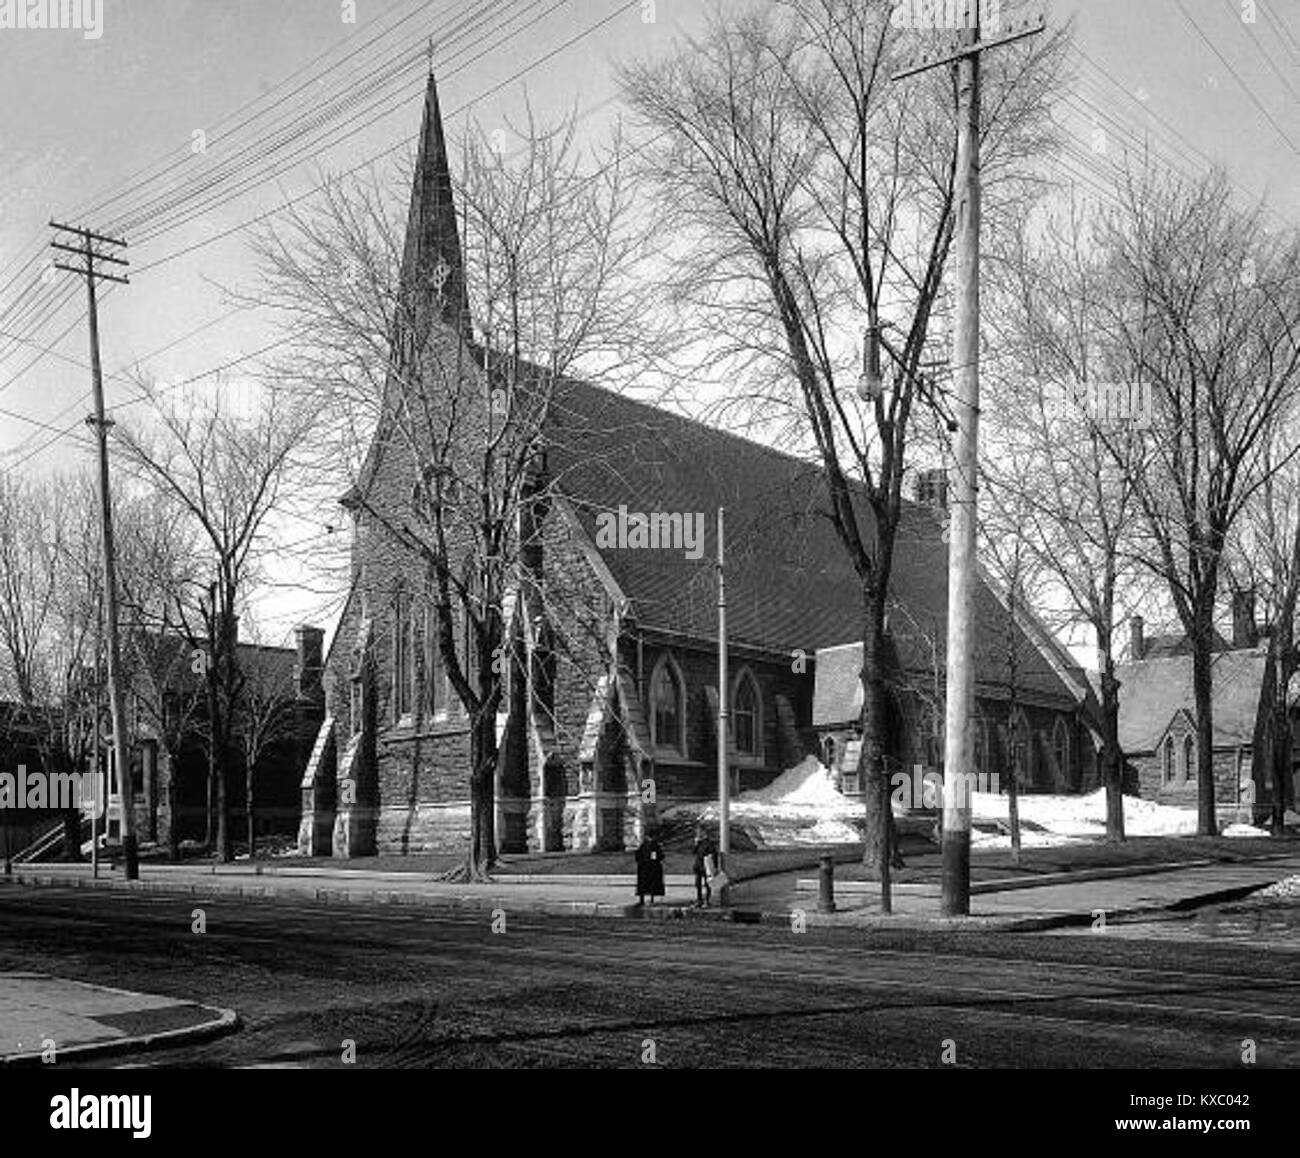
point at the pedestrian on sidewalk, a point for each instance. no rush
(649, 868)
(705, 864)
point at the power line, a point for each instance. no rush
(515, 76)
(1281, 132)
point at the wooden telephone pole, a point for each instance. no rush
(90, 258)
(960, 697)
(724, 762)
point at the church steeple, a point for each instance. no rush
(433, 267)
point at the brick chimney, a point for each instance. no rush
(1244, 632)
(1137, 644)
(311, 659)
(932, 490)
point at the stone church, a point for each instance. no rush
(585, 728)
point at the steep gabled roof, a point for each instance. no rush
(269, 667)
(790, 584)
(1176, 644)
(1154, 690)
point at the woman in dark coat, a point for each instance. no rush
(649, 869)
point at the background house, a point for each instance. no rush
(167, 714)
(1157, 717)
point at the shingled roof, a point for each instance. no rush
(1152, 691)
(789, 580)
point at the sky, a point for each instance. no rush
(110, 130)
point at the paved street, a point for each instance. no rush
(414, 988)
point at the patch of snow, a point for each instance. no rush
(1243, 830)
(800, 807)
(808, 784)
(1085, 816)
(1287, 887)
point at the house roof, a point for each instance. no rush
(1176, 644)
(269, 667)
(789, 581)
(1153, 691)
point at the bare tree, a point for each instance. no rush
(1203, 308)
(159, 554)
(224, 473)
(50, 594)
(464, 415)
(1265, 564)
(1063, 409)
(267, 717)
(814, 200)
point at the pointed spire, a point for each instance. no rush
(433, 267)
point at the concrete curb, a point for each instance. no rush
(1045, 880)
(675, 910)
(226, 1021)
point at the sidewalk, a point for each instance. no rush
(1049, 901)
(45, 1017)
(602, 896)
(1067, 898)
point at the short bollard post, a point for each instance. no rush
(826, 901)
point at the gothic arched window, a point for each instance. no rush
(668, 707)
(746, 715)
(1061, 747)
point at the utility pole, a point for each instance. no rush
(91, 257)
(101, 790)
(960, 698)
(724, 771)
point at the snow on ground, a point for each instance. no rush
(1085, 816)
(800, 807)
(803, 807)
(1287, 887)
(1243, 830)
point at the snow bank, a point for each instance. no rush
(1084, 816)
(800, 807)
(803, 807)
(1287, 887)
(1243, 830)
(806, 785)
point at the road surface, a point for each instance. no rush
(423, 989)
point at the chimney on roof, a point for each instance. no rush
(932, 490)
(1244, 632)
(1137, 643)
(311, 659)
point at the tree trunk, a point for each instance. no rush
(210, 817)
(482, 796)
(248, 811)
(1013, 811)
(173, 806)
(72, 835)
(1203, 691)
(1112, 763)
(225, 837)
(880, 850)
